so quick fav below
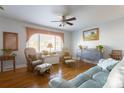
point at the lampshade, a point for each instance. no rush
(50, 45)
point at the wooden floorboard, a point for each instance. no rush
(21, 78)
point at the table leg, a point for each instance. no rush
(14, 65)
(1, 66)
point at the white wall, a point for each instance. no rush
(111, 35)
(11, 25)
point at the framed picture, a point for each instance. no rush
(91, 35)
(10, 40)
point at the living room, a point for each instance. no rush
(55, 38)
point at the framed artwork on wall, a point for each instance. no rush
(10, 41)
(91, 34)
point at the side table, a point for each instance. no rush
(4, 58)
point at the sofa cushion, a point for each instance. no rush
(101, 77)
(67, 57)
(43, 67)
(109, 68)
(78, 80)
(91, 84)
(93, 71)
(60, 83)
(37, 62)
(70, 61)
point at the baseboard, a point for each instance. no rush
(20, 66)
(88, 61)
(17, 67)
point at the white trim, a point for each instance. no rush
(88, 61)
(11, 68)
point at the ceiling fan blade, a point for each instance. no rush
(69, 23)
(70, 19)
(55, 21)
(1, 8)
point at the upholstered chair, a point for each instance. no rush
(67, 56)
(116, 54)
(32, 58)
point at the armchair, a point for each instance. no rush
(116, 54)
(66, 56)
(32, 58)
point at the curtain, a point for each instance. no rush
(31, 31)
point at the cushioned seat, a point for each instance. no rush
(67, 57)
(78, 80)
(70, 61)
(59, 82)
(101, 77)
(37, 62)
(86, 77)
(43, 67)
(93, 71)
(91, 84)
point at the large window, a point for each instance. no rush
(41, 41)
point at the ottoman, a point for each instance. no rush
(43, 67)
(70, 61)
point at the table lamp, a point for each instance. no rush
(50, 46)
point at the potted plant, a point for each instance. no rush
(7, 51)
(81, 47)
(100, 48)
(14, 54)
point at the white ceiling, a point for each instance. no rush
(86, 15)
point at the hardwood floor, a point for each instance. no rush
(23, 79)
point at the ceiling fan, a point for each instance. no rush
(65, 21)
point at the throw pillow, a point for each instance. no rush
(66, 54)
(106, 63)
(36, 62)
(32, 57)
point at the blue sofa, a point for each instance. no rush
(95, 77)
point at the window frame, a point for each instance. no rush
(39, 42)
